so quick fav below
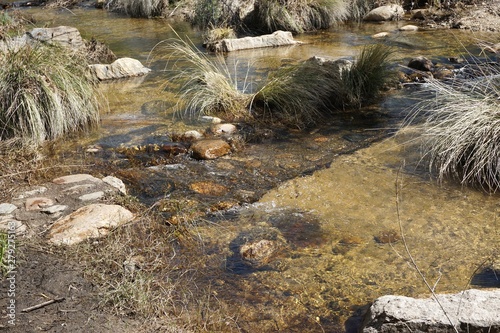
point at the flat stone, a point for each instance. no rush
(78, 188)
(75, 179)
(408, 27)
(37, 190)
(92, 196)
(95, 220)
(10, 225)
(469, 311)
(7, 208)
(54, 209)
(38, 203)
(116, 183)
(277, 38)
(381, 35)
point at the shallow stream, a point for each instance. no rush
(327, 199)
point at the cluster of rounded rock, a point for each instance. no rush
(69, 210)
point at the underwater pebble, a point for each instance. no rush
(209, 119)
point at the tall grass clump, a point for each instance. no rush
(45, 93)
(139, 8)
(364, 80)
(295, 95)
(461, 129)
(301, 15)
(207, 87)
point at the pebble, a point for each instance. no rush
(116, 183)
(38, 203)
(92, 196)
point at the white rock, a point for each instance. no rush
(92, 196)
(385, 13)
(54, 209)
(475, 309)
(192, 135)
(7, 208)
(116, 183)
(210, 119)
(381, 35)
(224, 129)
(408, 27)
(277, 38)
(120, 68)
(91, 221)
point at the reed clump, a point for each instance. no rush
(45, 93)
(461, 128)
(139, 8)
(296, 95)
(301, 15)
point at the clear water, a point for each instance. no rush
(331, 263)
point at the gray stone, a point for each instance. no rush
(35, 191)
(7, 208)
(91, 221)
(75, 179)
(120, 68)
(116, 183)
(92, 196)
(66, 36)
(78, 188)
(469, 311)
(277, 38)
(54, 209)
(8, 225)
(385, 13)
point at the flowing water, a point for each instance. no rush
(333, 204)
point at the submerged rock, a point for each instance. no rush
(469, 311)
(421, 64)
(210, 149)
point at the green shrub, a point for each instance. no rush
(45, 92)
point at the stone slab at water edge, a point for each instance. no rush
(469, 311)
(277, 38)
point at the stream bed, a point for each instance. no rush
(334, 207)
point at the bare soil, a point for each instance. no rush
(44, 273)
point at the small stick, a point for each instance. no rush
(41, 305)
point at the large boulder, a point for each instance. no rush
(468, 311)
(277, 38)
(385, 13)
(120, 68)
(91, 221)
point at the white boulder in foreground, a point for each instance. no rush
(88, 222)
(469, 311)
(119, 69)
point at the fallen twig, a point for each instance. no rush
(41, 305)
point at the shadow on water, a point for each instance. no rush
(487, 278)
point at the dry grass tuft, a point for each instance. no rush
(461, 130)
(45, 93)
